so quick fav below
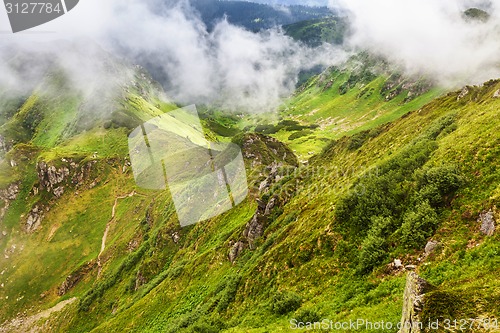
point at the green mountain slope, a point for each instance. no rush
(331, 30)
(393, 168)
(356, 97)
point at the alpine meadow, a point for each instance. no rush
(360, 191)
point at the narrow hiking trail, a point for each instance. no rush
(28, 324)
(108, 226)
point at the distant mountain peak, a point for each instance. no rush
(476, 15)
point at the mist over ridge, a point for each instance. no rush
(429, 37)
(239, 70)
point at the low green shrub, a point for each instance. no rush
(307, 316)
(228, 294)
(419, 224)
(300, 134)
(285, 302)
(400, 203)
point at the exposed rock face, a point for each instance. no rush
(75, 277)
(54, 179)
(50, 177)
(8, 195)
(273, 202)
(270, 160)
(397, 84)
(431, 247)
(487, 221)
(496, 94)
(261, 150)
(59, 191)
(266, 206)
(413, 302)
(465, 91)
(35, 218)
(236, 250)
(5, 146)
(271, 178)
(255, 228)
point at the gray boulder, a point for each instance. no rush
(431, 247)
(487, 220)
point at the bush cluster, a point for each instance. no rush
(285, 302)
(109, 281)
(400, 204)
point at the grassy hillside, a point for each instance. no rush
(315, 32)
(359, 96)
(393, 168)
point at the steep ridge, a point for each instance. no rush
(410, 187)
(360, 95)
(306, 265)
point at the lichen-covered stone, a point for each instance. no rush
(413, 303)
(35, 218)
(431, 247)
(237, 248)
(487, 221)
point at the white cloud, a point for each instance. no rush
(230, 66)
(428, 36)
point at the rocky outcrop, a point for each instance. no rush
(267, 205)
(397, 84)
(72, 280)
(253, 230)
(255, 227)
(431, 247)
(236, 250)
(496, 94)
(10, 193)
(53, 179)
(273, 177)
(487, 220)
(413, 302)
(465, 91)
(5, 146)
(7, 195)
(50, 178)
(35, 218)
(270, 161)
(261, 151)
